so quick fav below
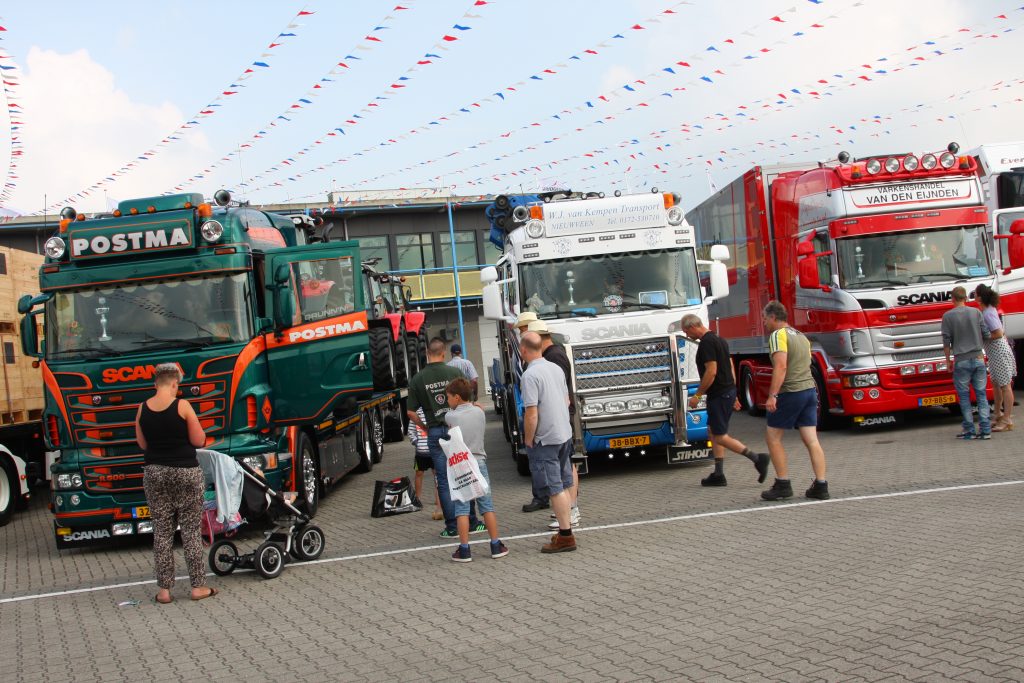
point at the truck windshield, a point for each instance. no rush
(608, 283)
(133, 318)
(894, 259)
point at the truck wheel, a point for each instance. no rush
(394, 424)
(308, 483)
(10, 490)
(421, 347)
(365, 445)
(382, 359)
(268, 560)
(826, 420)
(747, 387)
(523, 464)
(411, 351)
(504, 426)
(377, 429)
(402, 370)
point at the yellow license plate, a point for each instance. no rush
(140, 512)
(629, 442)
(938, 400)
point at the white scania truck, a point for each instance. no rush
(611, 277)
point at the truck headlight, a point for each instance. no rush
(256, 462)
(593, 408)
(675, 216)
(122, 529)
(614, 406)
(535, 228)
(660, 402)
(702, 402)
(638, 404)
(212, 231)
(54, 247)
(69, 481)
(867, 379)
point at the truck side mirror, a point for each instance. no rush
(29, 339)
(807, 266)
(719, 279)
(1015, 244)
(719, 252)
(492, 302)
(282, 274)
(488, 275)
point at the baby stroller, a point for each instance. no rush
(292, 536)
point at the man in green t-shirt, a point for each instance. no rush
(792, 403)
(427, 391)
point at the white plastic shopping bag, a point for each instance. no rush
(464, 479)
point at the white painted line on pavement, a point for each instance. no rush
(763, 507)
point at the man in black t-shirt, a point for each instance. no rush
(717, 381)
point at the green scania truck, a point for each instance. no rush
(271, 334)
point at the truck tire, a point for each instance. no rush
(307, 478)
(394, 424)
(747, 392)
(382, 359)
(377, 434)
(523, 463)
(826, 420)
(365, 445)
(10, 490)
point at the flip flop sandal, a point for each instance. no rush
(169, 600)
(213, 591)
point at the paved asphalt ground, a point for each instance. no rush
(911, 572)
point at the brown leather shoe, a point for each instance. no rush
(560, 544)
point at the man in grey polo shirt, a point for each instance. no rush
(548, 437)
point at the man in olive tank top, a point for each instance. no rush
(792, 403)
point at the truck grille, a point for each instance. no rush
(624, 364)
(921, 340)
(113, 478)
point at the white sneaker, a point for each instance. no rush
(575, 514)
(574, 519)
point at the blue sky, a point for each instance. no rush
(596, 95)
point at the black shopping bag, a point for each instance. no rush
(392, 498)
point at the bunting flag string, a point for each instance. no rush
(840, 80)
(338, 69)
(434, 54)
(261, 63)
(855, 127)
(11, 79)
(713, 52)
(501, 95)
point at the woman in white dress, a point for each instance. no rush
(1001, 364)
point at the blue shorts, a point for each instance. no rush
(483, 503)
(720, 412)
(551, 467)
(795, 409)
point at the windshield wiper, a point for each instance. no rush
(644, 305)
(959, 277)
(90, 353)
(197, 343)
(880, 281)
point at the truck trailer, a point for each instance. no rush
(864, 254)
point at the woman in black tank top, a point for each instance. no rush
(169, 432)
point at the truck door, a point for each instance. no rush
(318, 349)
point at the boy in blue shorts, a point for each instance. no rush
(470, 419)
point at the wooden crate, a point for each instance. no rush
(21, 385)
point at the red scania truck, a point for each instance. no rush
(864, 254)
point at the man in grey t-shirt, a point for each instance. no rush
(465, 366)
(963, 334)
(548, 437)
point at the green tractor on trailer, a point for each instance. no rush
(270, 332)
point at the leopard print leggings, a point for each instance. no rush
(175, 496)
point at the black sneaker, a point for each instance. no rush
(713, 479)
(535, 505)
(780, 489)
(761, 465)
(983, 436)
(818, 490)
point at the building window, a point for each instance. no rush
(415, 252)
(375, 247)
(465, 247)
(8, 353)
(3, 264)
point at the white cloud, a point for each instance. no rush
(79, 127)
